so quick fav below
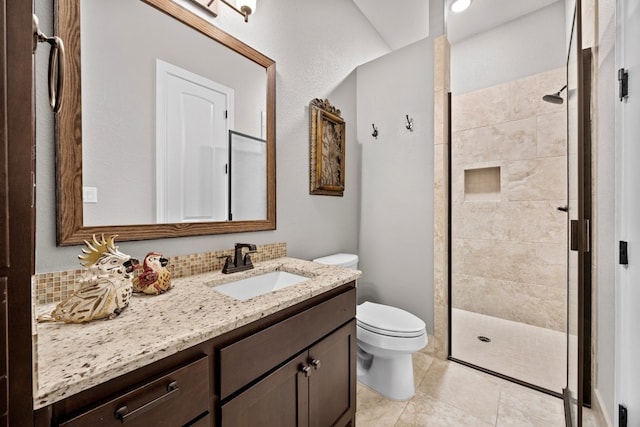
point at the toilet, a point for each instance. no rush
(387, 337)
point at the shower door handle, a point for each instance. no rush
(580, 237)
(574, 235)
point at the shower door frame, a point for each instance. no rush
(582, 242)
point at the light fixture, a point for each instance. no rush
(243, 7)
(458, 6)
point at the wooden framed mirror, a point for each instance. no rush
(128, 179)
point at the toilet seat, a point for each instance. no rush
(390, 321)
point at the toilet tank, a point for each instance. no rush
(339, 260)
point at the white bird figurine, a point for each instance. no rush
(108, 288)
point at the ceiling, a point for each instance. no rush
(486, 14)
(403, 22)
(399, 22)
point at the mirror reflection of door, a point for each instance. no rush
(194, 115)
(247, 171)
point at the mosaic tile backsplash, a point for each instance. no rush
(55, 287)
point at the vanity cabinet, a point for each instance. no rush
(314, 381)
(315, 388)
(295, 367)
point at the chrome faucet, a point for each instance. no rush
(239, 263)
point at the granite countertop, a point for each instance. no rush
(74, 357)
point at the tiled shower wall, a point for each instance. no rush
(508, 179)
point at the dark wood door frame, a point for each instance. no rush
(17, 121)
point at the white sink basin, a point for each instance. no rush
(259, 285)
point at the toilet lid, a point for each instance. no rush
(387, 320)
(340, 260)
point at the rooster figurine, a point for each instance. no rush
(107, 288)
(155, 278)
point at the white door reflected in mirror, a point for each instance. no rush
(193, 118)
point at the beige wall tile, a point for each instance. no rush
(521, 302)
(526, 94)
(441, 197)
(441, 117)
(481, 108)
(509, 260)
(540, 179)
(513, 140)
(509, 248)
(515, 221)
(551, 132)
(442, 57)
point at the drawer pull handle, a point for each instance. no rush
(124, 415)
(316, 363)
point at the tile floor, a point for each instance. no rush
(450, 394)
(529, 353)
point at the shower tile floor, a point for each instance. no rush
(529, 353)
(451, 394)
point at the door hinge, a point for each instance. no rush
(622, 416)
(623, 82)
(226, 114)
(624, 254)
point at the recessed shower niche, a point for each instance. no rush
(482, 183)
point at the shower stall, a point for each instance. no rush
(509, 233)
(509, 197)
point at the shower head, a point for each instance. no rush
(555, 98)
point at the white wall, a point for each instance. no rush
(316, 46)
(396, 219)
(523, 47)
(605, 214)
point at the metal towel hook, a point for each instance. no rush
(409, 124)
(375, 131)
(56, 64)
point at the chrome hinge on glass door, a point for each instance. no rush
(580, 235)
(56, 64)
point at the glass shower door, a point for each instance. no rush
(579, 212)
(570, 391)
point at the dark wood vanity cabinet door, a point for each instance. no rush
(280, 399)
(332, 384)
(316, 388)
(257, 354)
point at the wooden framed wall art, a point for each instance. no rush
(327, 149)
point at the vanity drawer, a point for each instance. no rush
(249, 358)
(171, 400)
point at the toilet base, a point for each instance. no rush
(391, 377)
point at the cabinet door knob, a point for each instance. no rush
(315, 363)
(306, 370)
